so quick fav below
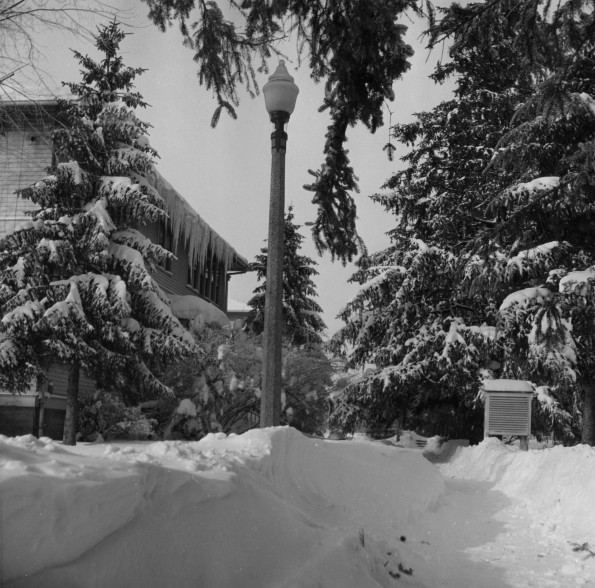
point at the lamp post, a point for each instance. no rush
(280, 94)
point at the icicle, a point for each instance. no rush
(187, 224)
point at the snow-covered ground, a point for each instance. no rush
(272, 508)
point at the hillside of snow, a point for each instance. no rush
(273, 508)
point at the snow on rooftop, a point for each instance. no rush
(189, 226)
(18, 96)
(190, 307)
(505, 385)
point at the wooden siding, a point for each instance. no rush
(17, 420)
(25, 152)
(57, 381)
(19, 415)
(25, 156)
(54, 413)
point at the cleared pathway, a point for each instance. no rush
(477, 537)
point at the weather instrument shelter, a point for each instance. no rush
(508, 409)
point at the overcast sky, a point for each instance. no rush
(224, 173)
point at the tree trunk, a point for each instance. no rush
(588, 435)
(72, 404)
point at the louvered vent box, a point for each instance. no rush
(507, 407)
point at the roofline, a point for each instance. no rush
(187, 223)
(31, 102)
(240, 264)
(237, 263)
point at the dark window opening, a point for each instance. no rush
(165, 238)
(209, 279)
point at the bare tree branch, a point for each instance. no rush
(22, 21)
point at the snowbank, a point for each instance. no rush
(267, 508)
(273, 508)
(556, 484)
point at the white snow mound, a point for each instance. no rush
(267, 508)
(556, 484)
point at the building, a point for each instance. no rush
(196, 281)
(25, 153)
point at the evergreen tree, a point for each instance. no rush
(75, 281)
(475, 224)
(410, 316)
(301, 317)
(544, 230)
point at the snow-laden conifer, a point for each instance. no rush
(498, 185)
(545, 227)
(76, 279)
(301, 313)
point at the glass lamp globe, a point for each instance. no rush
(280, 93)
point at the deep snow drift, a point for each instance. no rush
(272, 508)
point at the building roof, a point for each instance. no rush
(504, 385)
(186, 224)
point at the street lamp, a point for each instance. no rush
(280, 94)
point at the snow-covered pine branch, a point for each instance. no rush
(76, 279)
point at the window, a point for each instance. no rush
(165, 238)
(209, 279)
(198, 282)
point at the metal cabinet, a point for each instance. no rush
(508, 409)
